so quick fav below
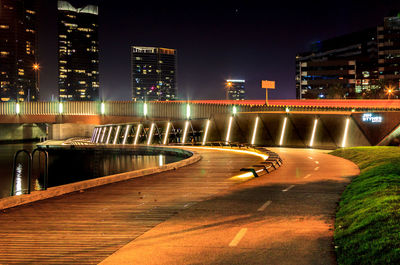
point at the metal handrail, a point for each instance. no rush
(46, 165)
(29, 170)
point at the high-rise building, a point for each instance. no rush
(235, 89)
(78, 52)
(19, 68)
(389, 50)
(340, 67)
(153, 73)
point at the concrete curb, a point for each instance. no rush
(13, 201)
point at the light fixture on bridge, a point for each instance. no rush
(137, 133)
(313, 132)
(128, 127)
(145, 110)
(166, 133)
(287, 110)
(150, 134)
(116, 135)
(104, 134)
(253, 139)
(17, 109)
(109, 135)
(228, 133)
(234, 110)
(94, 134)
(98, 134)
(283, 131)
(102, 108)
(60, 108)
(185, 131)
(188, 111)
(346, 130)
(206, 132)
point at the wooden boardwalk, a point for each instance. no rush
(87, 227)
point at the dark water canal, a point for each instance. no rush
(67, 166)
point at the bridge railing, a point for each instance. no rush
(177, 109)
(173, 110)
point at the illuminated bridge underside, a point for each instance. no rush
(317, 130)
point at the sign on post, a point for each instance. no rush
(267, 85)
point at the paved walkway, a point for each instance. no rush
(87, 227)
(286, 217)
(194, 215)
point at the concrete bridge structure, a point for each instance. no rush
(294, 123)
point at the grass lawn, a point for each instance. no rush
(367, 228)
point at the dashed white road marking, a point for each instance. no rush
(288, 188)
(265, 205)
(317, 168)
(307, 176)
(310, 157)
(235, 241)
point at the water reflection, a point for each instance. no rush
(67, 166)
(18, 179)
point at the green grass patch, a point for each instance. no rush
(367, 227)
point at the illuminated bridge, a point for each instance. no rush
(292, 123)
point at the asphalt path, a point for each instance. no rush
(285, 217)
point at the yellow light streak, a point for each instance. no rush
(185, 131)
(166, 133)
(137, 134)
(346, 129)
(228, 133)
(313, 132)
(206, 132)
(283, 131)
(253, 139)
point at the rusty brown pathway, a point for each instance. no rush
(87, 227)
(285, 217)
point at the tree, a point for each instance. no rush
(335, 91)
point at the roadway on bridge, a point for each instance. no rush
(194, 215)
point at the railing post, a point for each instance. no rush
(29, 170)
(46, 165)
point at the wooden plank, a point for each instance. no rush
(87, 227)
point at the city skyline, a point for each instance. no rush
(215, 43)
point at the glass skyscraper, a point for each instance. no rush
(153, 73)
(18, 51)
(78, 52)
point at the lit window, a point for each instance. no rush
(4, 27)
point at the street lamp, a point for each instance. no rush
(228, 87)
(36, 68)
(389, 91)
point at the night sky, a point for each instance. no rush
(247, 41)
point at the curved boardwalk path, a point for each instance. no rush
(285, 217)
(87, 227)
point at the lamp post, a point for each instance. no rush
(228, 87)
(36, 68)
